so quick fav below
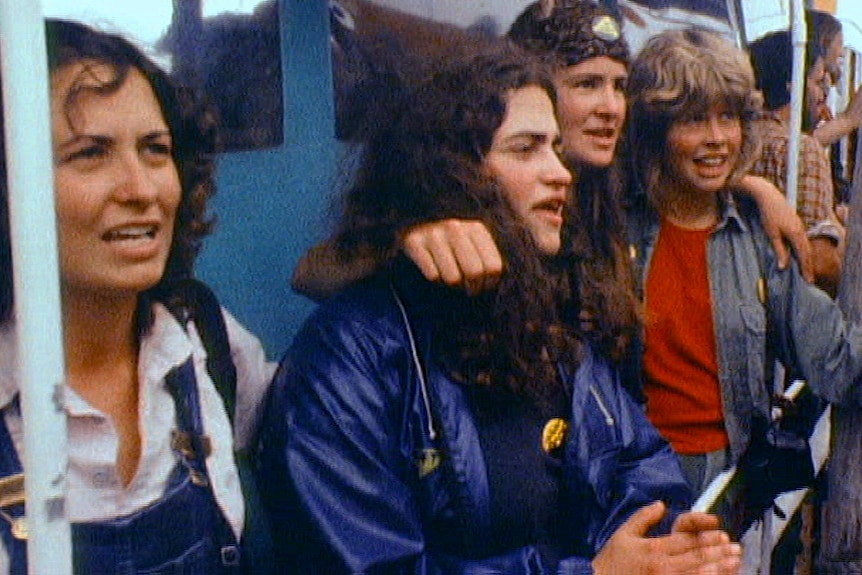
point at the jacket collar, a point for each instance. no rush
(730, 213)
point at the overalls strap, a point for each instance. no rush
(184, 531)
(189, 441)
(13, 530)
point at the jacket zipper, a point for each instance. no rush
(609, 419)
(414, 352)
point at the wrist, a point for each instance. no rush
(752, 186)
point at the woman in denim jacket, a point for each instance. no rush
(717, 307)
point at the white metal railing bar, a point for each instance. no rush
(799, 33)
(37, 300)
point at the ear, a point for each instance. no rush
(547, 6)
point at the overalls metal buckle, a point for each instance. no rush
(230, 556)
(11, 494)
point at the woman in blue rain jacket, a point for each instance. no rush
(414, 429)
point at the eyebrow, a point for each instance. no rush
(77, 138)
(581, 75)
(156, 134)
(534, 136)
(105, 140)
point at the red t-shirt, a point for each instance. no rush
(680, 364)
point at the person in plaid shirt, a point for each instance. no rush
(772, 58)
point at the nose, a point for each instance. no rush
(557, 174)
(612, 101)
(716, 132)
(134, 183)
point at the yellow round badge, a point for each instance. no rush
(554, 434)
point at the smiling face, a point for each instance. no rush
(117, 187)
(523, 157)
(592, 109)
(703, 150)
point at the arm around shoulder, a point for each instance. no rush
(780, 221)
(321, 272)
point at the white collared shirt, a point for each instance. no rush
(95, 491)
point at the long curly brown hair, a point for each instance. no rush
(426, 164)
(190, 120)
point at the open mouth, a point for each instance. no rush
(604, 133)
(711, 161)
(553, 208)
(131, 233)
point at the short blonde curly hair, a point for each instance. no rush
(678, 74)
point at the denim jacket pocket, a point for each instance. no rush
(754, 340)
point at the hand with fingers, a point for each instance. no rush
(854, 108)
(459, 253)
(781, 223)
(695, 546)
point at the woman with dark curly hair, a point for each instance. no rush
(416, 429)
(152, 480)
(584, 46)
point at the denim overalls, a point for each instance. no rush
(184, 532)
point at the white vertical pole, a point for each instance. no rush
(37, 300)
(846, 88)
(799, 33)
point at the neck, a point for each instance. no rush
(99, 334)
(102, 365)
(693, 210)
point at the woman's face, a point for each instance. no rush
(592, 109)
(835, 57)
(523, 157)
(817, 84)
(703, 151)
(117, 187)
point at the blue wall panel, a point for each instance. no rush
(272, 204)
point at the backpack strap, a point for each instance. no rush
(192, 300)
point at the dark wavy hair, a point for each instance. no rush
(190, 120)
(571, 32)
(772, 60)
(822, 29)
(426, 164)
